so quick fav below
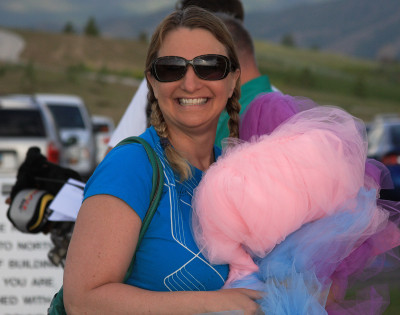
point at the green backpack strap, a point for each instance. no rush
(156, 191)
(57, 303)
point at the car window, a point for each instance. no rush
(21, 123)
(100, 127)
(67, 116)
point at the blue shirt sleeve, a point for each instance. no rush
(125, 173)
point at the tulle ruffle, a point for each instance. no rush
(294, 210)
(309, 272)
(262, 191)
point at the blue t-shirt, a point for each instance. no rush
(168, 259)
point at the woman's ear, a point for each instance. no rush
(153, 82)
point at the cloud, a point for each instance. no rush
(146, 6)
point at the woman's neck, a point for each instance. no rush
(197, 149)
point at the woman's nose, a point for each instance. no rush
(190, 81)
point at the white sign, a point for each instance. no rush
(28, 280)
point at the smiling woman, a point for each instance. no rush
(207, 97)
(193, 75)
(189, 65)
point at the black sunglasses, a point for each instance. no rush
(207, 67)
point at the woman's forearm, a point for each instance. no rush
(116, 298)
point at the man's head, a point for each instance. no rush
(241, 37)
(244, 46)
(231, 7)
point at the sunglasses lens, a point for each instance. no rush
(168, 69)
(211, 67)
(207, 67)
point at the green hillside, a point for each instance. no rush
(97, 69)
(362, 87)
(104, 72)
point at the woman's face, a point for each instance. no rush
(192, 104)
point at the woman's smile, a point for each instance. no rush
(192, 101)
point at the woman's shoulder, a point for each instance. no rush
(130, 149)
(125, 169)
(127, 160)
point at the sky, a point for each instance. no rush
(45, 14)
(58, 6)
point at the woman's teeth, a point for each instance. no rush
(192, 101)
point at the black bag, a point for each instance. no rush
(57, 303)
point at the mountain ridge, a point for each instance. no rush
(361, 28)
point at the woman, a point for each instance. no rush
(193, 74)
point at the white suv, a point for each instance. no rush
(24, 124)
(76, 131)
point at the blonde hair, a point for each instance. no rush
(191, 17)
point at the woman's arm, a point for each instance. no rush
(99, 254)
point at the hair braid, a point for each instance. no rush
(157, 120)
(177, 162)
(233, 110)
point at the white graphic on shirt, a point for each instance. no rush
(181, 279)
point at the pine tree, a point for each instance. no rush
(288, 40)
(69, 28)
(91, 28)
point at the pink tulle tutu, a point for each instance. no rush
(293, 207)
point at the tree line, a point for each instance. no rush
(90, 28)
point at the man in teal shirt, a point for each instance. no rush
(253, 83)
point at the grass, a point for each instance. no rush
(75, 64)
(61, 51)
(362, 87)
(102, 98)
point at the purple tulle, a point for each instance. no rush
(268, 111)
(265, 114)
(379, 173)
